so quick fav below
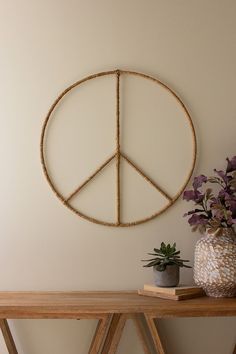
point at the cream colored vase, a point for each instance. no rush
(215, 264)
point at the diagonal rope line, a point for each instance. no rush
(89, 178)
(146, 177)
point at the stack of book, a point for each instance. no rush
(181, 292)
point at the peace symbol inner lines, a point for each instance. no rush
(117, 156)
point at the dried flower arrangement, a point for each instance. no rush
(215, 211)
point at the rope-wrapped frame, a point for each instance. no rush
(118, 154)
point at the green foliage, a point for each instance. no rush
(166, 255)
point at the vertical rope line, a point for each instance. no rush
(118, 147)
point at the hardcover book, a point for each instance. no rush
(178, 290)
(171, 296)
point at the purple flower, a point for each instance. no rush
(189, 195)
(222, 175)
(197, 220)
(198, 181)
(231, 164)
(222, 195)
(193, 195)
(231, 221)
(230, 203)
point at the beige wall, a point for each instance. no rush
(46, 46)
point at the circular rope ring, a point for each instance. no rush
(118, 154)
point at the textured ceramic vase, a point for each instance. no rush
(168, 277)
(215, 264)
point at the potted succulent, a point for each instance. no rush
(214, 215)
(166, 264)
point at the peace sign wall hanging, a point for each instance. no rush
(118, 147)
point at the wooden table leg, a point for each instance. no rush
(114, 334)
(100, 333)
(10, 344)
(150, 321)
(142, 333)
(234, 352)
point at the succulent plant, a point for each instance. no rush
(166, 255)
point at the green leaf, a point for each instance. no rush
(208, 193)
(175, 253)
(148, 260)
(163, 247)
(183, 260)
(152, 264)
(232, 183)
(157, 255)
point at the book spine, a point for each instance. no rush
(159, 295)
(168, 296)
(159, 290)
(173, 291)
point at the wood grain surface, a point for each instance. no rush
(87, 304)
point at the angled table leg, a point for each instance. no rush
(10, 344)
(234, 352)
(114, 334)
(142, 333)
(99, 336)
(150, 321)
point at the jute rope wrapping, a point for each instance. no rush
(118, 155)
(118, 147)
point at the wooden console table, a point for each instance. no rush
(112, 309)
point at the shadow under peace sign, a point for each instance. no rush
(118, 155)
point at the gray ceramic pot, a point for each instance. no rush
(168, 278)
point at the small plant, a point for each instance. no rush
(166, 255)
(214, 211)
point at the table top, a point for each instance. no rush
(84, 304)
